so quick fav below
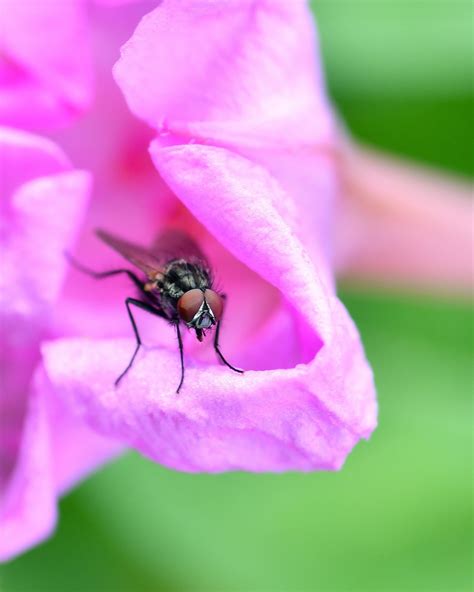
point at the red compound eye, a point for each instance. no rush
(215, 303)
(189, 304)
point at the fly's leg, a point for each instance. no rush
(181, 355)
(219, 353)
(154, 310)
(217, 348)
(143, 306)
(100, 275)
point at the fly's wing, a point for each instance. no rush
(137, 255)
(175, 244)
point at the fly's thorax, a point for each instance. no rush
(180, 276)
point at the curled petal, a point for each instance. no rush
(234, 70)
(240, 203)
(305, 418)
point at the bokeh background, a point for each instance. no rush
(398, 517)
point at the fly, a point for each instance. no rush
(177, 286)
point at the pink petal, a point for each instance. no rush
(44, 81)
(18, 148)
(42, 202)
(126, 186)
(308, 416)
(120, 2)
(246, 209)
(27, 512)
(403, 225)
(235, 71)
(49, 461)
(274, 420)
(245, 76)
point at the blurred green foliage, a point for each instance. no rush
(398, 516)
(401, 73)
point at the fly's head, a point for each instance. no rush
(200, 310)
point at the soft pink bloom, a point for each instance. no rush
(250, 162)
(246, 144)
(42, 202)
(44, 448)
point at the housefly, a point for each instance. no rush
(177, 285)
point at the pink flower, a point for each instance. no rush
(42, 201)
(43, 204)
(246, 144)
(250, 162)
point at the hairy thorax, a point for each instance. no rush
(178, 277)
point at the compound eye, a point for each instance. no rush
(215, 303)
(189, 304)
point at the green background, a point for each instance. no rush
(399, 516)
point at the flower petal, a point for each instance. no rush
(26, 157)
(403, 225)
(42, 202)
(49, 461)
(27, 513)
(242, 75)
(275, 420)
(305, 417)
(249, 213)
(235, 69)
(44, 83)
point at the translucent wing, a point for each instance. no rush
(139, 256)
(175, 244)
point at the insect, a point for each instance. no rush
(178, 287)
